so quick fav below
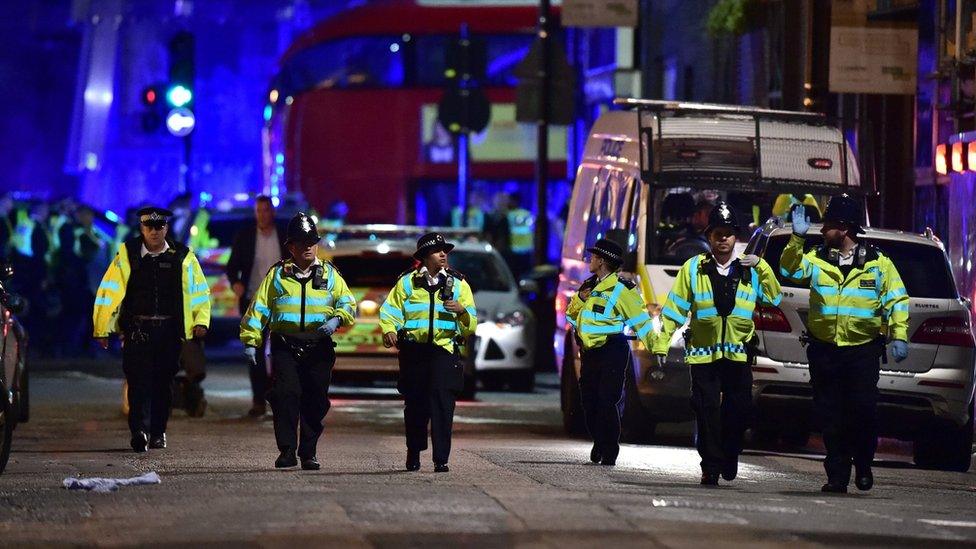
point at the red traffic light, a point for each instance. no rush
(149, 96)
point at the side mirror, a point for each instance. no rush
(528, 286)
(6, 271)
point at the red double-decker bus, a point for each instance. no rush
(352, 112)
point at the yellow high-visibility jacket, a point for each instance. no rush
(520, 227)
(412, 307)
(714, 337)
(849, 310)
(111, 292)
(290, 307)
(613, 303)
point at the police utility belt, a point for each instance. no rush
(140, 323)
(301, 346)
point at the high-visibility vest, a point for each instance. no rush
(111, 291)
(476, 218)
(412, 307)
(287, 306)
(520, 223)
(785, 202)
(714, 337)
(613, 304)
(849, 310)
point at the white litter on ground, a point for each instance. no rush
(109, 484)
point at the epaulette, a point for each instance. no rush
(628, 282)
(405, 273)
(456, 274)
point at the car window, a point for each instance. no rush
(224, 230)
(483, 271)
(371, 271)
(923, 268)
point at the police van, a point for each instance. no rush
(650, 173)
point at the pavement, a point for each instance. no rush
(515, 480)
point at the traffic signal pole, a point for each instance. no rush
(541, 240)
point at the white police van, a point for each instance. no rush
(648, 176)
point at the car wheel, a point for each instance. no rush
(23, 396)
(522, 381)
(946, 447)
(569, 394)
(6, 427)
(636, 425)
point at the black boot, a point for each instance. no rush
(834, 488)
(709, 479)
(413, 460)
(158, 442)
(595, 454)
(139, 442)
(730, 470)
(863, 478)
(286, 459)
(441, 468)
(311, 464)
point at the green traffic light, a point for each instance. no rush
(179, 95)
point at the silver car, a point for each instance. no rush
(503, 350)
(926, 399)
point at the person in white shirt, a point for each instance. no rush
(257, 247)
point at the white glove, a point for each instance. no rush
(329, 327)
(252, 355)
(749, 260)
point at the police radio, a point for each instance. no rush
(447, 291)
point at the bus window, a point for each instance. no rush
(368, 61)
(505, 51)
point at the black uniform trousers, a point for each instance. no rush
(601, 385)
(150, 361)
(299, 394)
(721, 397)
(430, 380)
(260, 380)
(845, 398)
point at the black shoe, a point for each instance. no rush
(709, 479)
(158, 443)
(595, 455)
(834, 488)
(863, 479)
(311, 464)
(730, 471)
(413, 460)
(286, 459)
(139, 442)
(258, 410)
(441, 468)
(608, 461)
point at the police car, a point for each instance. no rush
(926, 399)
(371, 258)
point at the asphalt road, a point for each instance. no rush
(515, 480)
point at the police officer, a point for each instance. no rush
(603, 306)
(854, 291)
(720, 292)
(302, 301)
(427, 316)
(154, 295)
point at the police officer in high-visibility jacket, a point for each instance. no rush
(427, 316)
(855, 290)
(154, 295)
(604, 305)
(720, 292)
(302, 301)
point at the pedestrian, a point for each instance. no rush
(154, 295)
(720, 291)
(301, 302)
(855, 291)
(605, 304)
(257, 247)
(428, 315)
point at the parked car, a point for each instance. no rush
(371, 259)
(926, 399)
(14, 379)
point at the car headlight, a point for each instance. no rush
(510, 319)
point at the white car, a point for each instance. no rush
(926, 399)
(502, 351)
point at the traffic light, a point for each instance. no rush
(180, 119)
(464, 107)
(152, 116)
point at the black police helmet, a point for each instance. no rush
(844, 209)
(722, 215)
(429, 243)
(302, 229)
(609, 250)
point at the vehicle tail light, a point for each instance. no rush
(941, 166)
(771, 319)
(958, 158)
(953, 331)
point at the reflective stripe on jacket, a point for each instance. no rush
(849, 310)
(111, 292)
(288, 306)
(422, 314)
(612, 305)
(714, 337)
(520, 223)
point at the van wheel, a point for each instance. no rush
(946, 447)
(569, 395)
(7, 422)
(637, 426)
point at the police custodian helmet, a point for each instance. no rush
(302, 229)
(722, 215)
(609, 250)
(429, 243)
(844, 209)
